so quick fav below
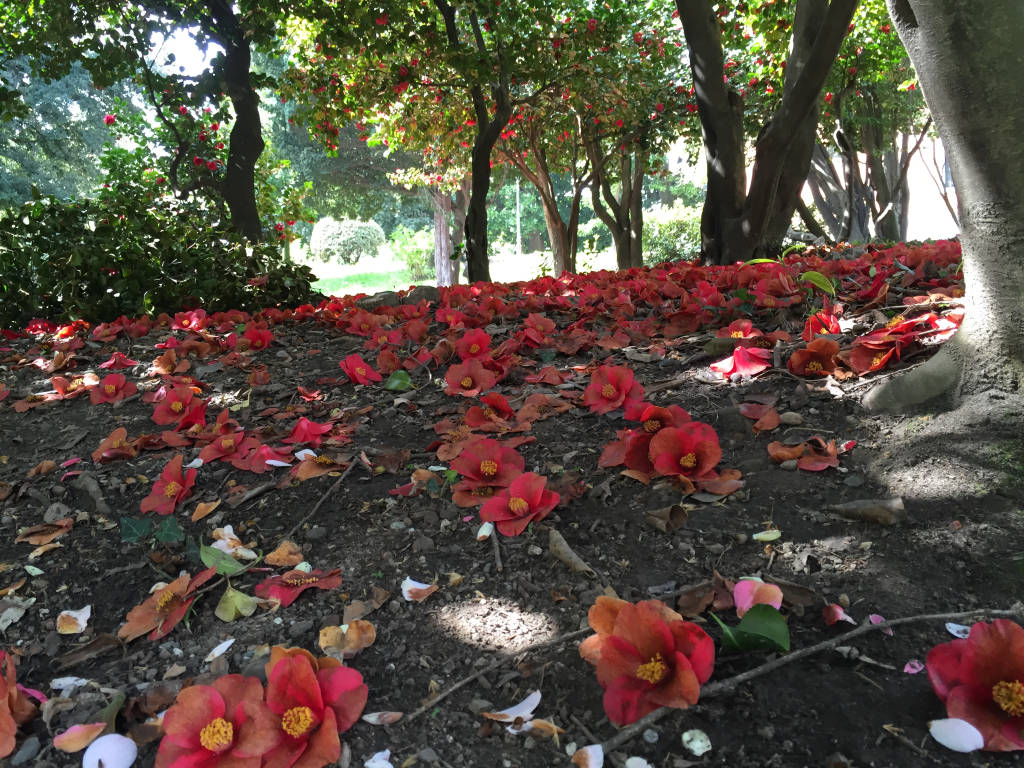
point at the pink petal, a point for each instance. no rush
(913, 666)
(876, 618)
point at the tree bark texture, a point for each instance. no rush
(445, 269)
(961, 52)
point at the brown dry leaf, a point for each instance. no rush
(44, 533)
(38, 552)
(204, 508)
(13, 588)
(6, 489)
(288, 554)
(635, 474)
(357, 609)
(346, 641)
(781, 452)
(668, 519)
(696, 599)
(100, 645)
(393, 461)
(560, 550)
(547, 728)
(44, 467)
(794, 594)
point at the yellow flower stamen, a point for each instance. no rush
(518, 505)
(298, 579)
(467, 382)
(296, 721)
(689, 461)
(1009, 695)
(737, 334)
(608, 391)
(323, 460)
(474, 348)
(652, 425)
(895, 321)
(177, 406)
(653, 671)
(165, 599)
(109, 389)
(814, 366)
(488, 468)
(360, 371)
(217, 735)
(228, 443)
(877, 359)
(171, 489)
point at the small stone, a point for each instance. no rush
(534, 550)
(428, 755)
(650, 736)
(854, 481)
(791, 419)
(55, 512)
(476, 706)
(397, 525)
(715, 549)
(529, 742)
(316, 533)
(789, 465)
(741, 538)
(766, 732)
(29, 749)
(423, 544)
(300, 628)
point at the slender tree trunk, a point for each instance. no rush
(961, 55)
(445, 269)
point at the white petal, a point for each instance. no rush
(523, 710)
(304, 567)
(957, 630)
(304, 454)
(637, 762)
(276, 463)
(73, 622)
(484, 531)
(697, 741)
(219, 650)
(591, 756)
(417, 591)
(110, 751)
(196, 463)
(65, 684)
(955, 734)
(380, 760)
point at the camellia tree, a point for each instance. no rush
(740, 220)
(113, 40)
(449, 76)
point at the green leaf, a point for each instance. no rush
(819, 281)
(728, 637)
(234, 604)
(225, 564)
(399, 381)
(761, 628)
(546, 355)
(169, 531)
(135, 528)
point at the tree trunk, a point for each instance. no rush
(736, 222)
(961, 55)
(622, 214)
(445, 269)
(246, 141)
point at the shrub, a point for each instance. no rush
(416, 249)
(346, 241)
(100, 259)
(671, 232)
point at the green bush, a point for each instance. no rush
(416, 249)
(346, 241)
(100, 259)
(671, 232)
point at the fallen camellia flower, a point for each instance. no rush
(288, 586)
(646, 656)
(15, 708)
(166, 605)
(172, 487)
(981, 681)
(751, 591)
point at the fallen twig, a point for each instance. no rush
(319, 503)
(497, 552)
(730, 684)
(493, 666)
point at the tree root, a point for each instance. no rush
(937, 377)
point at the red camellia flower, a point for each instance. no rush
(192, 320)
(485, 465)
(690, 450)
(817, 359)
(981, 680)
(15, 708)
(493, 416)
(524, 501)
(171, 488)
(313, 701)
(234, 448)
(611, 386)
(288, 586)
(112, 388)
(638, 443)
(468, 379)
(118, 361)
(174, 405)
(166, 605)
(224, 723)
(358, 370)
(259, 337)
(109, 119)
(823, 322)
(474, 344)
(307, 431)
(739, 329)
(744, 361)
(646, 656)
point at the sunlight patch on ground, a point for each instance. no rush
(495, 624)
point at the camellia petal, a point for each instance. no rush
(957, 735)
(78, 737)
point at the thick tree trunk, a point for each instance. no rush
(961, 55)
(738, 222)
